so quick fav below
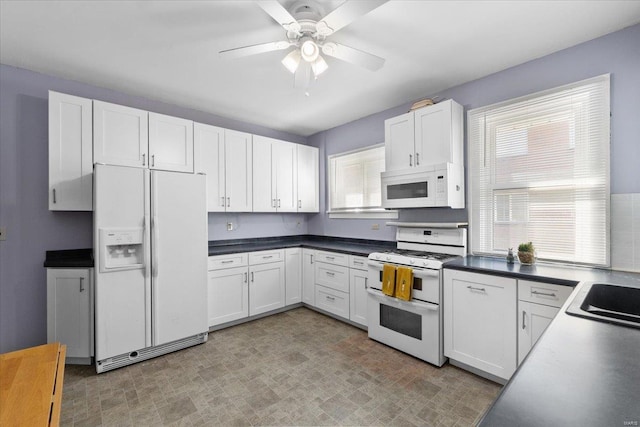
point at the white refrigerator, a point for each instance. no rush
(150, 240)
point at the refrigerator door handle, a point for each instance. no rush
(154, 245)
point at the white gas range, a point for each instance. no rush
(414, 326)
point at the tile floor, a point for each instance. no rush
(294, 368)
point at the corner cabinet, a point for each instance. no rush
(308, 277)
(480, 321)
(293, 279)
(427, 136)
(70, 312)
(70, 153)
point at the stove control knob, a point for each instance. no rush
(424, 263)
(412, 261)
(388, 258)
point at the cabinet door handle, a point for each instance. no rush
(551, 294)
(153, 160)
(278, 202)
(252, 276)
(54, 196)
(299, 204)
(222, 201)
(144, 159)
(417, 159)
(366, 286)
(245, 277)
(228, 202)
(311, 258)
(410, 160)
(273, 203)
(524, 317)
(476, 289)
(82, 284)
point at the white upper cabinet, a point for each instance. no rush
(209, 160)
(308, 179)
(120, 135)
(170, 143)
(70, 153)
(274, 175)
(428, 136)
(399, 149)
(238, 171)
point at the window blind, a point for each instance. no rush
(539, 172)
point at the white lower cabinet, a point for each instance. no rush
(228, 295)
(480, 321)
(70, 311)
(293, 275)
(538, 304)
(333, 301)
(358, 290)
(308, 277)
(266, 287)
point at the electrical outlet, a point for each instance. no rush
(229, 226)
(375, 227)
(3, 233)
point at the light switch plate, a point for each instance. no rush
(3, 233)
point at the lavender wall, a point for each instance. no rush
(32, 228)
(617, 53)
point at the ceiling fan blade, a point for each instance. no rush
(302, 76)
(353, 55)
(345, 14)
(280, 14)
(254, 49)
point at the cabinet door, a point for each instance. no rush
(358, 296)
(308, 179)
(228, 297)
(266, 287)
(398, 142)
(438, 134)
(209, 160)
(238, 171)
(70, 310)
(70, 153)
(533, 319)
(170, 143)
(308, 277)
(293, 275)
(284, 169)
(264, 197)
(479, 321)
(120, 135)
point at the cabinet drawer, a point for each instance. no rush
(264, 257)
(332, 276)
(358, 262)
(227, 261)
(333, 301)
(332, 258)
(543, 293)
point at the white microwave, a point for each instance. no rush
(439, 185)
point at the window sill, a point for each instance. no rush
(381, 214)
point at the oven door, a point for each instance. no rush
(410, 326)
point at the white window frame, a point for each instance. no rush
(353, 213)
(478, 216)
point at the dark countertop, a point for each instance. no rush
(581, 371)
(72, 258)
(540, 272)
(359, 247)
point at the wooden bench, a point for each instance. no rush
(31, 386)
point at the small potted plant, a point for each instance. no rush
(526, 253)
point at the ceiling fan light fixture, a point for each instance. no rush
(319, 66)
(292, 60)
(309, 50)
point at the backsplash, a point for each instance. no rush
(625, 232)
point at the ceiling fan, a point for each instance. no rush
(307, 31)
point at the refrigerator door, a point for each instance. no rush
(179, 255)
(122, 285)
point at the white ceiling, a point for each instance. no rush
(168, 51)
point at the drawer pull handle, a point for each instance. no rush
(476, 289)
(226, 262)
(330, 257)
(546, 294)
(330, 273)
(330, 298)
(267, 256)
(358, 262)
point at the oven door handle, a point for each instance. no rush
(406, 305)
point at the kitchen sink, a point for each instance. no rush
(609, 303)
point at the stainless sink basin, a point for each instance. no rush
(609, 303)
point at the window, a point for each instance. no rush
(539, 172)
(354, 184)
